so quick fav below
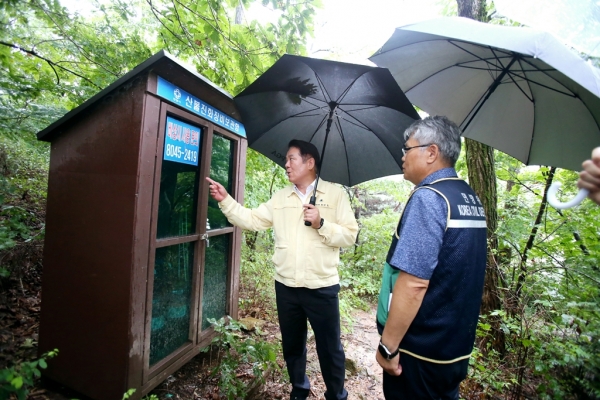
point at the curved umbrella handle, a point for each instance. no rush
(551, 196)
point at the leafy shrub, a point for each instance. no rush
(130, 392)
(261, 356)
(257, 288)
(488, 371)
(23, 181)
(17, 380)
(361, 269)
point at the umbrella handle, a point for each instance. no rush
(313, 200)
(551, 196)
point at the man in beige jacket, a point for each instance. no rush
(306, 260)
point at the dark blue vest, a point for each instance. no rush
(444, 328)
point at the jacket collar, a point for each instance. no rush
(321, 187)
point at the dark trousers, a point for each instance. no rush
(321, 308)
(424, 380)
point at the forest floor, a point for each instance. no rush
(363, 374)
(20, 305)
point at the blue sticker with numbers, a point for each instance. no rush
(182, 142)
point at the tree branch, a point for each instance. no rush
(532, 235)
(81, 50)
(51, 63)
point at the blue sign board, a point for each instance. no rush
(182, 142)
(179, 96)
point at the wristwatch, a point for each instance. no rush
(386, 353)
(321, 224)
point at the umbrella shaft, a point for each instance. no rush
(313, 200)
(492, 89)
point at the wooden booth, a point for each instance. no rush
(137, 257)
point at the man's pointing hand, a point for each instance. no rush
(216, 190)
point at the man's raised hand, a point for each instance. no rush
(216, 190)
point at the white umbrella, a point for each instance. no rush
(516, 89)
(575, 21)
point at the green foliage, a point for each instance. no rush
(53, 61)
(23, 177)
(130, 392)
(263, 179)
(361, 267)
(261, 356)
(23, 170)
(550, 341)
(487, 368)
(216, 35)
(18, 379)
(551, 323)
(257, 281)
(565, 345)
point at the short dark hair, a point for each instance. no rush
(306, 149)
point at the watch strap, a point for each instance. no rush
(385, 352)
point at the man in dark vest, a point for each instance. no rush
(433, 276)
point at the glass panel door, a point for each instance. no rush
(215, 293)
(175, 259)
(171, 299)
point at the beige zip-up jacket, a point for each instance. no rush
(304, 256)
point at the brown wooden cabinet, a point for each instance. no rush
(137, 258)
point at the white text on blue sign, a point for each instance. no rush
(182, 142)
(179, 96)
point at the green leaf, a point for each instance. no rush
(17, 382)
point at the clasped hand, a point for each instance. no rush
(312, 215)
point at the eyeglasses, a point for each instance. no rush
(406, 149)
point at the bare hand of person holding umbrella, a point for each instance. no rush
(589, 178)
(216, 190)
(312, 216)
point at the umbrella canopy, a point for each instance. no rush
(354, 114)
(516, 89)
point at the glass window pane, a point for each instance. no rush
(171, 299)
(221, 170)
(214, 292)
(178, 199)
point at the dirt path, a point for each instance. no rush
(363, 378)
(360, 346)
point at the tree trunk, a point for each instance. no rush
(482, 178)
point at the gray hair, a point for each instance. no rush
(437, 130)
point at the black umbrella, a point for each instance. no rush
(355, 114)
